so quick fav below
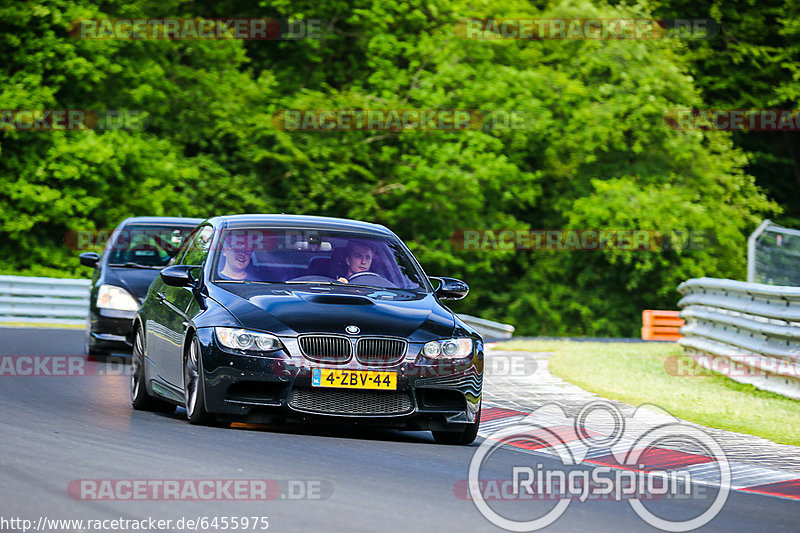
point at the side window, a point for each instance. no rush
(178, 259)
(197, 252)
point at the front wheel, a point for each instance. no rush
(194, 386)
(464, 436)
(140, 399)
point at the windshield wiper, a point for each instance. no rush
(245, 281)
(340, 284)
(313, 283)
(131, 264)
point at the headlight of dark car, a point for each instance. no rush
(117, 298)
(243, 339)
(448, 348)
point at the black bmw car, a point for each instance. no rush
(269, 318)
(138, 248)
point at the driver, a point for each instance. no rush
(358, 258)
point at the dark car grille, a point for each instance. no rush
(326, 348)
(380, 351)
(350, 402)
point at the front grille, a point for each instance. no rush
(380, 351)
(350, 402)
(326, 348)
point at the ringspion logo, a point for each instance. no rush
(633, 467)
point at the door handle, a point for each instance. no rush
(161, 297)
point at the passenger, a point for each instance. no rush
(238, 254)
(358, 258)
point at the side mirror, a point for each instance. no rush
(89, 259)
(451, 289)
(178, 276)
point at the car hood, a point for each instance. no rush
(289, 311)
(134, 280)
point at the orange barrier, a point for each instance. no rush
(661, 325)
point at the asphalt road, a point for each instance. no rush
(55, 430)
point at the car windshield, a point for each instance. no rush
(308, 256)
(146, 245)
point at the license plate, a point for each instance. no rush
(353, 379)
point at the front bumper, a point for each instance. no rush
(429, 394)
(110, 330)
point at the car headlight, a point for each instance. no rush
(448, 348)
(112, 297)
(243, 339)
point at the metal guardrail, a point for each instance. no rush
(66, 301)
(48, 300)
(753, 328)
(491, 331)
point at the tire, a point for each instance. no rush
(140, 399)
(194, 387)
(462, 437)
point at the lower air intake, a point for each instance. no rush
(350, 402)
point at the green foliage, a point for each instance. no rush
(753, 62)
(594, 151)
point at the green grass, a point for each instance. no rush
(636, 373)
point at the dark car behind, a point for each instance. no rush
(133, 256)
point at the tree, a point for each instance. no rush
(590, 148)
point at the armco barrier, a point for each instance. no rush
(66, 301)
(491, 331)
(660, 325)
(50, 300)
(752, 326)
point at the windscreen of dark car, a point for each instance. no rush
(146, 245)
(315, 256)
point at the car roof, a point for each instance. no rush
(180, 221)
(299, 221)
